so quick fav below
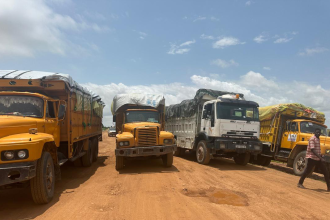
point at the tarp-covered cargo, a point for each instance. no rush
(188, 108)
(291, 109)
(150, 100)
(86, 99)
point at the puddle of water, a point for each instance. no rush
(219, 196)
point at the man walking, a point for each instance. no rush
(314, 158)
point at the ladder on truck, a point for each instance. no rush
(275, 125)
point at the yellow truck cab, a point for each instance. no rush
(140, 122)
(46, 119)
(285, 130)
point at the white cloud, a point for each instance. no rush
(259, 39)
(223, 63)
(182, 48)
(226, 42)
(282, 40)
(203, 18)
(258, 81)
(187, 43)
(312, 51)
(200, 18)
(248, 3)
(266, 68)
(254, 86)
(207, 37)
(142, 35)
(30, 27)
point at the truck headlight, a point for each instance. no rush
(9, 155)
(168, 141)
(124, 143)
(257, 147)
(21, 154)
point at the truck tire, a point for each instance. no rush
(95, 149)
(167, 159)
(120, 163)
(267, 161)
(43, 184)
(177, 153)
(242, 159)
(299, 163)
(87, 159)
(203, 154)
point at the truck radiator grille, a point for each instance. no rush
(147, 137)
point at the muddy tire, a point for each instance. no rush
(120, 163)
(167, 160)
(87, 159)
(242, 159)
(177, 153)
(266, 162)
(43, 184)
(299, 163)
(95, 149)
(203, 154)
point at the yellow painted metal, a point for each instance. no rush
(130, 131)
(77, 125)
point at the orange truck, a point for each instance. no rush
(46, 119)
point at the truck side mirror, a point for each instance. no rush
(61, 112)
(114, 118)
(288, 125)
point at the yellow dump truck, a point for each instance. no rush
(46, 119)
(285, 130)
(140, 122)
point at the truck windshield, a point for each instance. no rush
(309, 127)
(21, 105)
(142, 116)
(237, 112)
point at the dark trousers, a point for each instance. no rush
(310, 166)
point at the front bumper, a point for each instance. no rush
(238, 146)
(145, 151)
(17, 172)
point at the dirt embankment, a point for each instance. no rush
(188, 190)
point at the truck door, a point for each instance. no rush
(208, 119)
(290, 135)
(51, 121)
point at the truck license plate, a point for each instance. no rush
(240, 146)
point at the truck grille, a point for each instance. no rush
(147, 137)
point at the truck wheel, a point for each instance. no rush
(87, 159)
(242, 159)
(42, 185)
(300, 163)
(267, 161)
(203, 153)
(167, 159)
(95, 149)
(120, 163)
(177, 153)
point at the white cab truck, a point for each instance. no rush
(216, 124)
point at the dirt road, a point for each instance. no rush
(146, 190)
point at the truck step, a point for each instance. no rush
(61, 162)
(77, 156)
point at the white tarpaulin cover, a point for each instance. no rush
(137, 99)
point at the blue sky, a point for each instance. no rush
(273, 51)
